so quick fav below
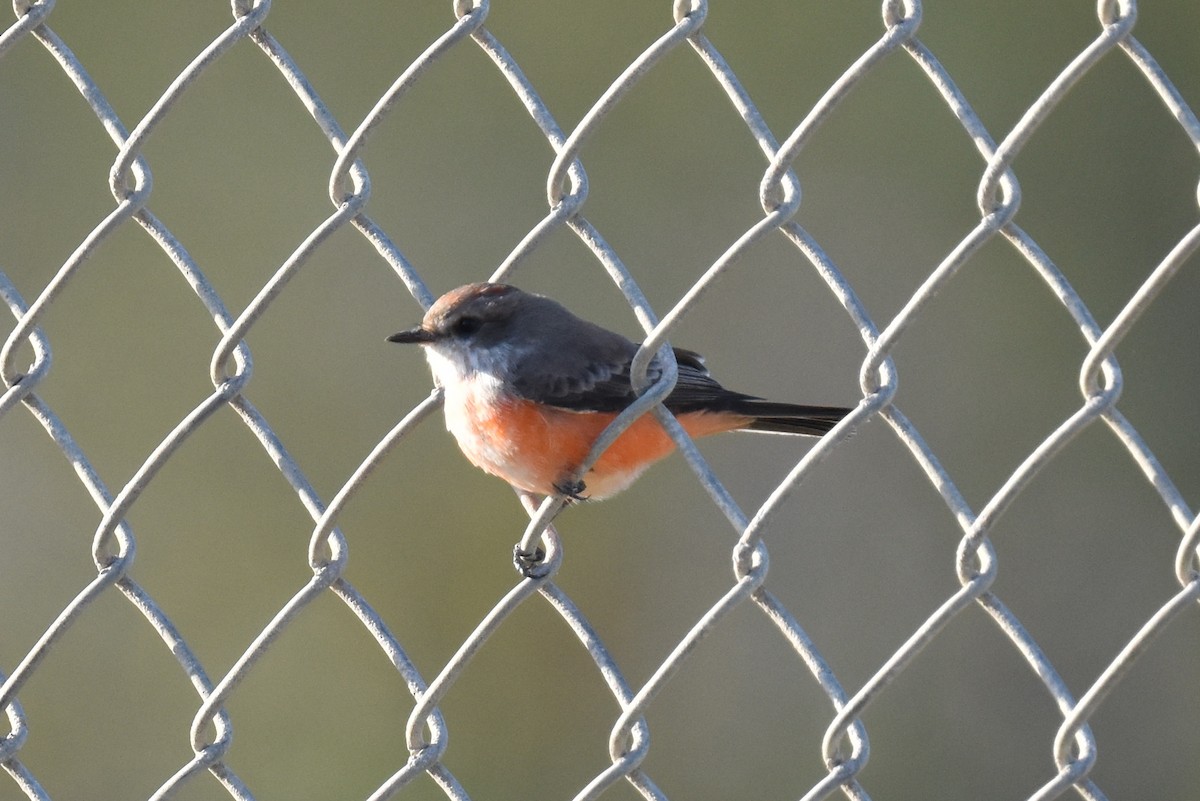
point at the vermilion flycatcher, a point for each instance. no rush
(529, 387)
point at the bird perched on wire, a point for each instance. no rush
(529, 387)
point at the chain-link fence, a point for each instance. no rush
(1014, 618)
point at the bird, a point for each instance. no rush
(529, 386)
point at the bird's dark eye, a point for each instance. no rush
(465, 326)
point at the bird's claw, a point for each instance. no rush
(530, 565)
(571, 489)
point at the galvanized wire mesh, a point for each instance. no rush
(25, 363)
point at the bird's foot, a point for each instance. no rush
(530, 565)
(572, 490)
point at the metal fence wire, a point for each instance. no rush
(222, 674)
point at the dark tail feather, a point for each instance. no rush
(791, 418)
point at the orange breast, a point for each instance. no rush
(534, 447)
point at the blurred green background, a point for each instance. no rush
(864, 551)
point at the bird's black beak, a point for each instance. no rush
(418, 335)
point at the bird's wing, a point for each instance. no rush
(599, 381)
(696, 389)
